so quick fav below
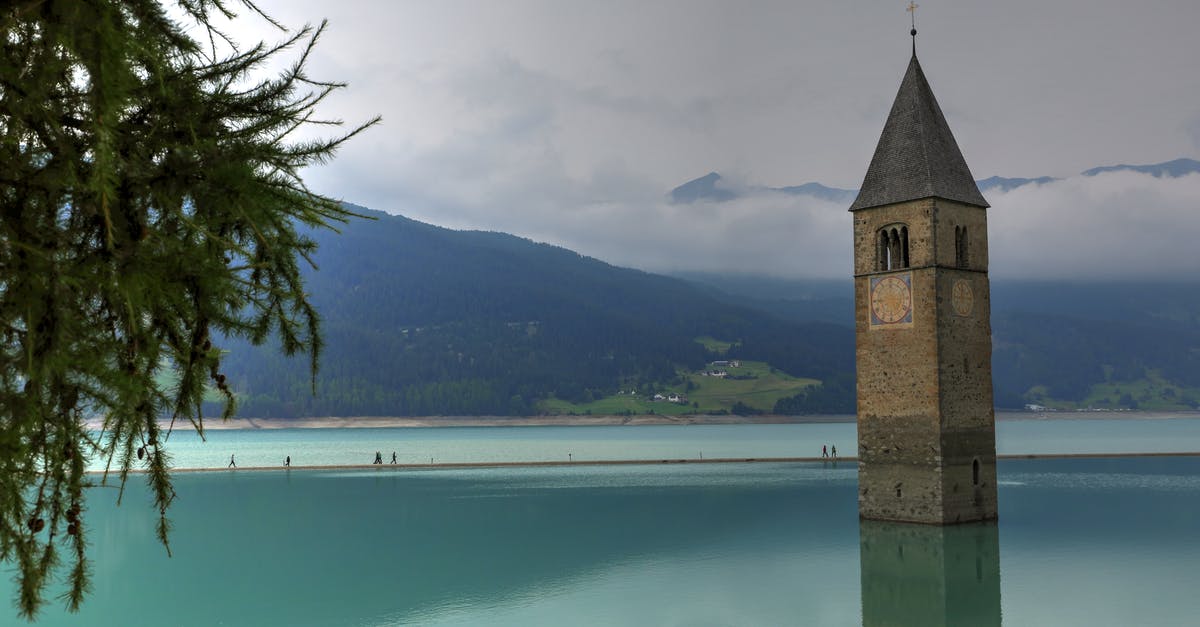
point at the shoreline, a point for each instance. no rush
(382, 422)
(626, 462)
(433, 422)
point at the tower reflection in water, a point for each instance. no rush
(929, 574)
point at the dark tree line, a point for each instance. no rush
(422, 320)
(1068, 355)
(834, 395)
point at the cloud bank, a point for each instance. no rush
(1118, 225)
(569, 122)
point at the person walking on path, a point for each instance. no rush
(393, 457)
(288, 462)
(378, 458)
(824, 451)
(232, 464)
(834, 450)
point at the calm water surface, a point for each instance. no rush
(1081, 542)
(312, 447)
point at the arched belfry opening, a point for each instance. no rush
(893, 247)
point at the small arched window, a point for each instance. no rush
(975, 472)
(882, 254)
(960, 246)
(892, 247)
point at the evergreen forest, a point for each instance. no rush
(421, 320)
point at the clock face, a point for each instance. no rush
(962, 297)
(891, 299)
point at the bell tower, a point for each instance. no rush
(926, 423)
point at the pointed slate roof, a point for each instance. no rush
(917, 156)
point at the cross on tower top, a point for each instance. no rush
(912, 10)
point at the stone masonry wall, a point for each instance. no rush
(924, 388)
(968, 421)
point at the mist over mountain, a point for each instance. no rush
(999, 183)
(712, 188)
(1125, 223)
(819, 191)
(423, 320)
(703, 188)
(1175, 168)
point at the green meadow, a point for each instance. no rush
(1150, 393)
(754, 384)
(715, 346)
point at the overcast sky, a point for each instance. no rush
(568, 122)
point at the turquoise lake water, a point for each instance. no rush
(1080, 541)
(315, 447)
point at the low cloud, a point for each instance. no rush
(1122, 225)
(768, 233)
(569, 122)
(1119, 225)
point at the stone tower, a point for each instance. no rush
(926, 425)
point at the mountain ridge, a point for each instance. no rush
(1171, 169)
(421, 320)
(710, 187)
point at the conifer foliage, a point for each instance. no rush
(150, 203)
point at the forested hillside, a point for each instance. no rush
(1106, 345)
(421, 320)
